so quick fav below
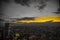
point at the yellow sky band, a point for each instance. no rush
(42, 19)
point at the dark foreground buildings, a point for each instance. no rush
(31, 31)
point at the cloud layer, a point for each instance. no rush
(16, 10)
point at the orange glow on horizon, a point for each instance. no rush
(42, 19)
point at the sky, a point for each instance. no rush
(16, 10)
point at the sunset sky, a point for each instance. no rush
(39, 20)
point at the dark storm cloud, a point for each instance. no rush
(28, 8)
(22, 2)
(4, 1)
(26, 3)
(58, 10)
(59, 3)
(41, 2)
(1, 3)
(41, 7)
